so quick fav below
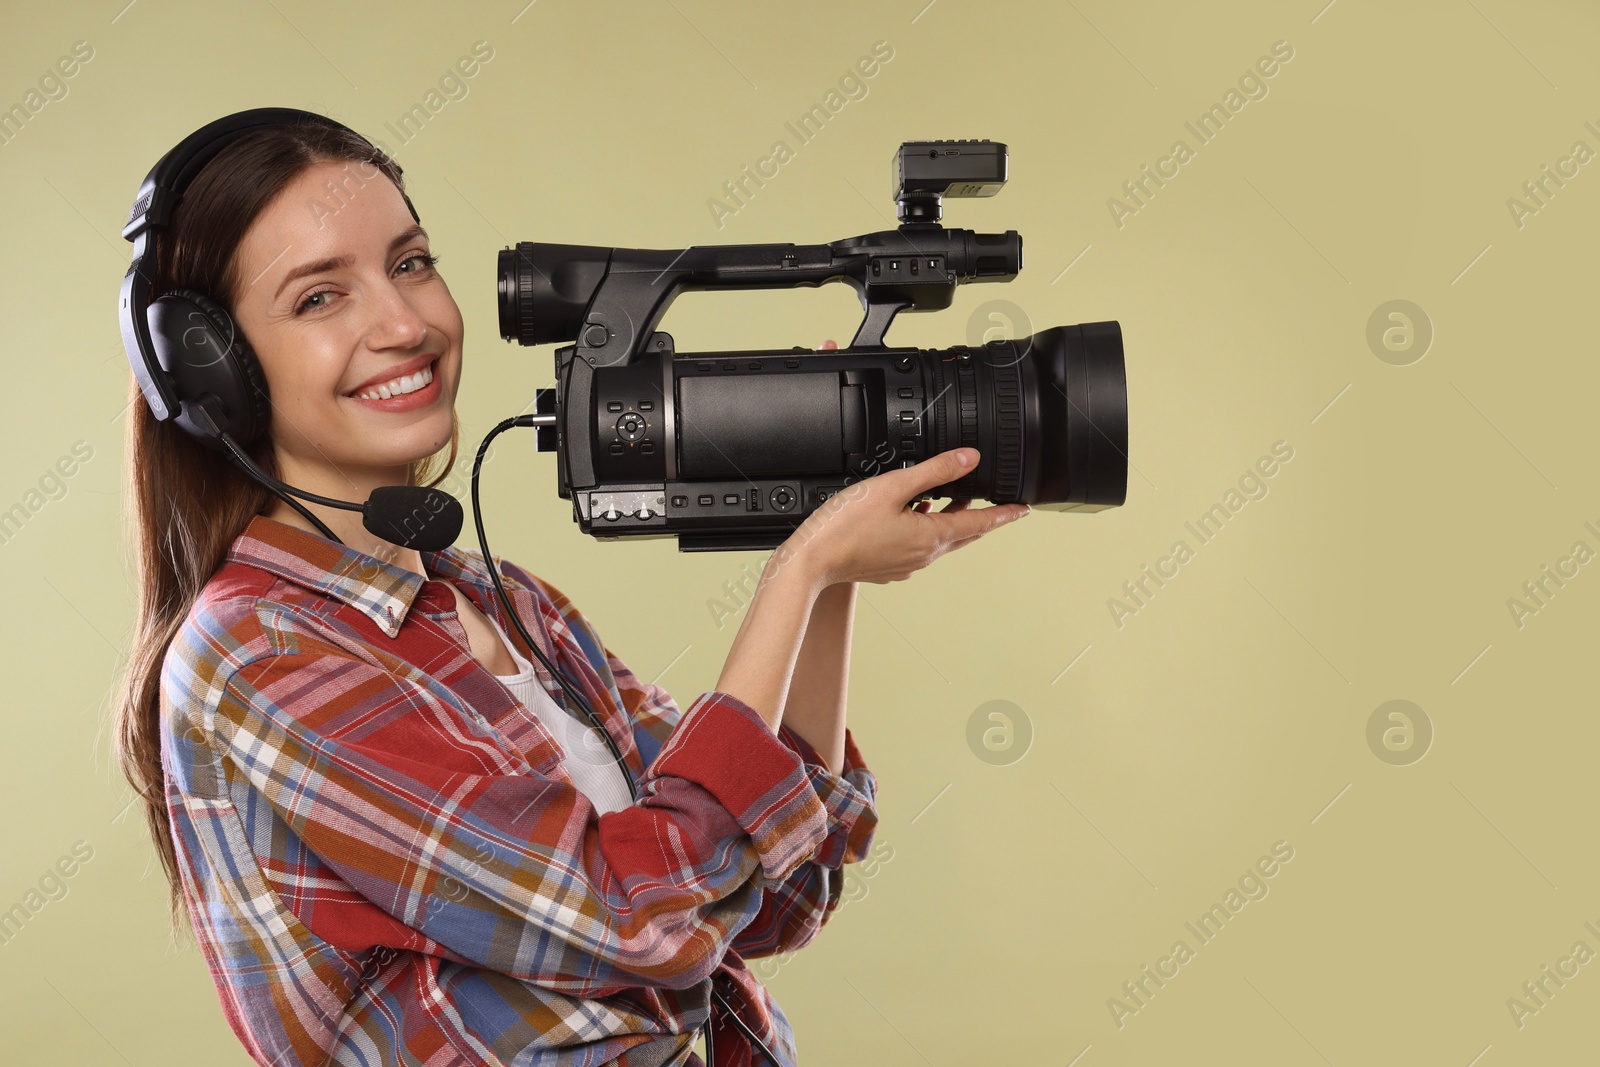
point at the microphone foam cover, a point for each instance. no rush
(414, 516)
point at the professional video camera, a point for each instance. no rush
(732, 450)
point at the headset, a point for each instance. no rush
(195, 367)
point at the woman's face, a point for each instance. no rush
(338, 298)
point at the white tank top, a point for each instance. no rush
(587, 759)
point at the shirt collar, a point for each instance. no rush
(383, 591)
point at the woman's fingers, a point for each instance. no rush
(923, 507)
(969, 523)
(828, 346)
(962, 542)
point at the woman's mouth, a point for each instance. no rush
(403, 393)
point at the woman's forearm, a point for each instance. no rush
(761, 662)
(815, 708)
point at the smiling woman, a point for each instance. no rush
(336, 306)
(393, 842)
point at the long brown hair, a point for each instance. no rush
(185, 503)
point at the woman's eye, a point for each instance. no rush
(306, 305)
(428, 263)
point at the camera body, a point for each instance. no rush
(732, 450)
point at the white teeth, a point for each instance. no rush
(409, 383)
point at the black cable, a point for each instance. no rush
(567, 686)
(572, 690)
(740, 1023)
(282, 491)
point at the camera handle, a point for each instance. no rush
(609, 301)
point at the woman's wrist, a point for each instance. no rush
(800, 566)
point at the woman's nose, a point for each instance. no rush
(396, 323)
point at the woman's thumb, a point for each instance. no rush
(960, 460)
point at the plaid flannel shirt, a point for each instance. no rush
(385, 861)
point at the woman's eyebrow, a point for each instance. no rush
(335, 262)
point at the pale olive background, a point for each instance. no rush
(1228, 714)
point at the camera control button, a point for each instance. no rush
(631, 426)
(783, 498)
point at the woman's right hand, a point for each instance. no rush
(867, 533)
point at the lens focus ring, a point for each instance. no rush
(1008, 432)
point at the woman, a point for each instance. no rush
(394, 841)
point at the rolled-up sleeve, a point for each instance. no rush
(421, 811)
(847, 798)
(794, 907)
(794, 911)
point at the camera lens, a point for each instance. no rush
(1048, 414)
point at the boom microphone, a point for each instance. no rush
(413, 516)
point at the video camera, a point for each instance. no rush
(732, 450)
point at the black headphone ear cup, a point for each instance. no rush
(200, 346)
